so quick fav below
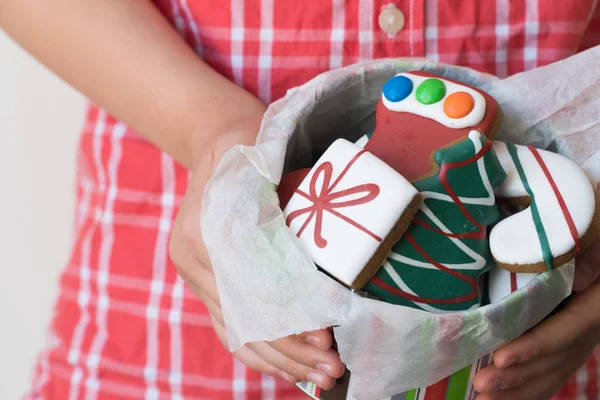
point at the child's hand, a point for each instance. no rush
(301, 357)
(536, 365)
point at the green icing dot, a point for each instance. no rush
(431, 91)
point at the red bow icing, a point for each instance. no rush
(328, 200)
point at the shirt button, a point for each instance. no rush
(391, 20)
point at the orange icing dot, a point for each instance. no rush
(459, 105)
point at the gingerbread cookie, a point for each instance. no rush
(420, 113)
(348, 211)
(560, 221)
(438, 132)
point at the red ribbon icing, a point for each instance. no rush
(513, 282)
(328, 200)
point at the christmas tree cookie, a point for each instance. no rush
(438, 134)
(437, 264)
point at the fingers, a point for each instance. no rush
(539, 389)
(220, 332)
(291, 367)
(587, 268)
(213, 308)
(306, 354)
(321, 339)
(494, 378)
(253, 361)
(537, 364)
(326, 365)
(546, 384)
(587, 271)
(557, 333)
(203, 280)
(533, 345)
(198, 276)
(207, 291)
(250, 359)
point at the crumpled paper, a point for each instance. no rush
(270, 289)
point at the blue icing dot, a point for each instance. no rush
(397, 89)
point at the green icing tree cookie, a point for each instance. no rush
(438, 263)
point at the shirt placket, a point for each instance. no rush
(399, 28)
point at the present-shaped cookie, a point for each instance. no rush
(349, 211)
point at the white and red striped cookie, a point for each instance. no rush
(560, 220)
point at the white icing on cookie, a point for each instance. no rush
(502, 283)
(436, 111)
(362, 142)
(361, 199)
(515, 240)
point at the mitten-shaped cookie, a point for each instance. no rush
(420, 112)
(561, 218)
(348, 211)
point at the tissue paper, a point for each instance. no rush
(270, 289)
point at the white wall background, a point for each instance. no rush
(40, 118)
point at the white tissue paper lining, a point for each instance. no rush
(270, 289)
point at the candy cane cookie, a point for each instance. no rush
(561, 220)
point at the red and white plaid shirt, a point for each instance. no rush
(125, 325)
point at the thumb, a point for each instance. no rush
(587, 269)
(559, 332)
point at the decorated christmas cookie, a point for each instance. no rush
(437, 264)
(348, 211)
(560, 220)
(420, 112)
(437, 133)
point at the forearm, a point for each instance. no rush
(126, 57)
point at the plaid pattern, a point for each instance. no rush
(125, 325)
